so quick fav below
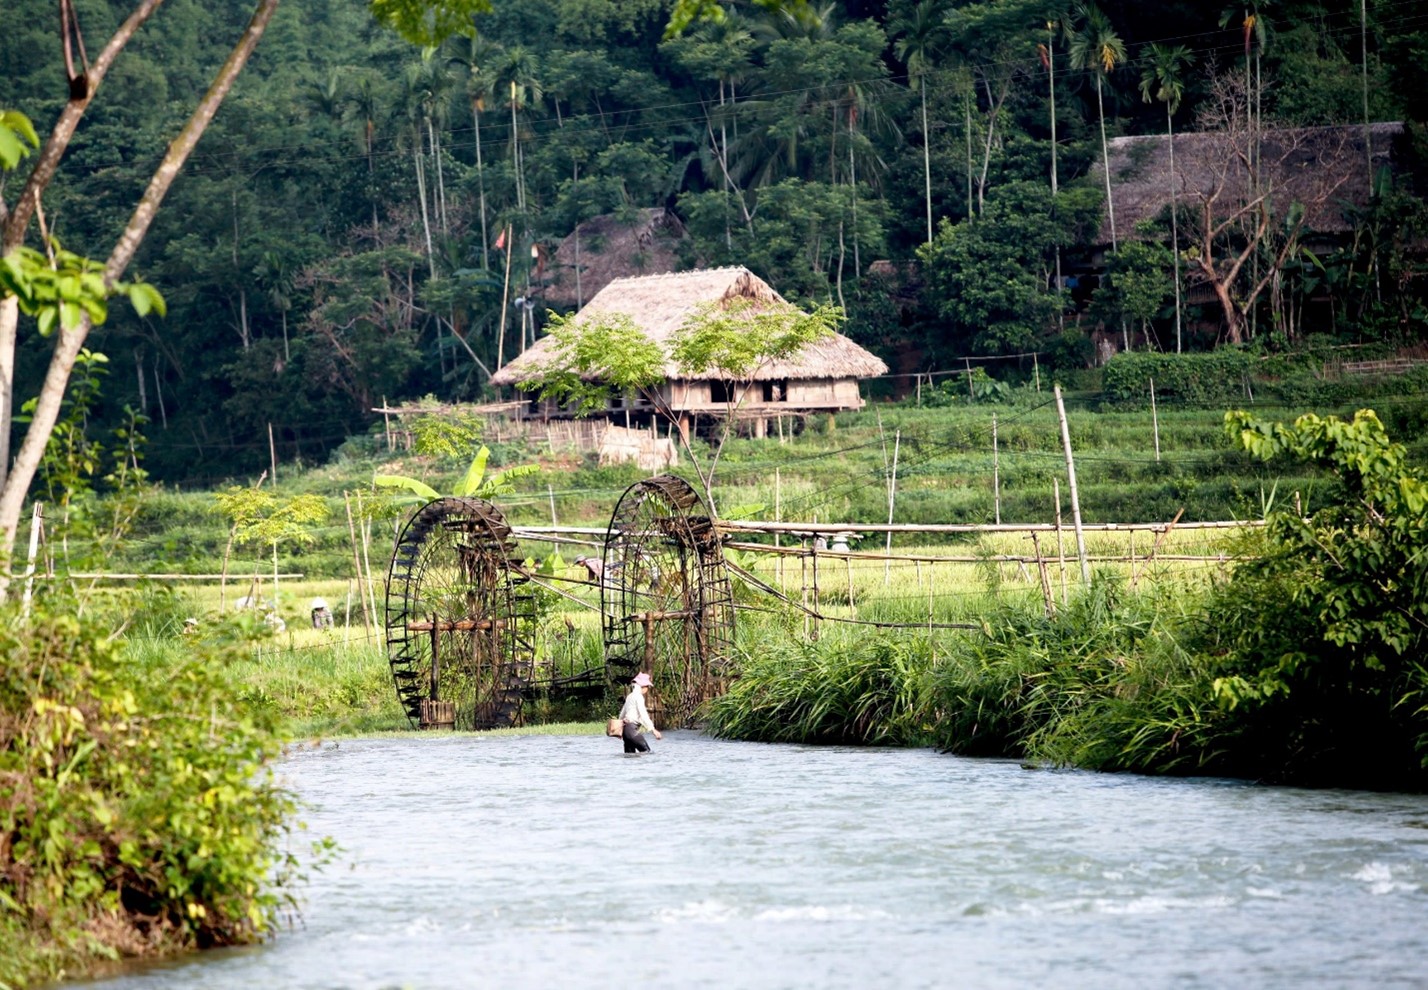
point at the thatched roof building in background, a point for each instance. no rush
(823, 376)
(1320, 167)
(605, 248)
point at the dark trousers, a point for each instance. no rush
(634, 739)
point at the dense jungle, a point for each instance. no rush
(342, 233)
(373, 217)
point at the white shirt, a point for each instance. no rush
(635, 710)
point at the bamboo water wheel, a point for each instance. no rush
(666, 598)
(460, 618)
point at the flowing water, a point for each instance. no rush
(554, 861)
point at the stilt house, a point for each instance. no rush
(822, 377)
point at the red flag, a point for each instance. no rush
(501, 241)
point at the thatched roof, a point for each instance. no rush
(661, 304)
(608, 248)
(1319, 167)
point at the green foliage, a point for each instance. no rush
(428, 22)
(473, 484)
(737, 339)
(17, 137)
(592, 358)
(139, 810)
(62, 288)
(450, 434)
(988, 275)
(1216, 378)
(1321, 638)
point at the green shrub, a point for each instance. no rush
(137, 806)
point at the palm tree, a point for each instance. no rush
(367, 108)
(478, 57)
(1162, 79)
(1096, 47)
(521, 87)
(922, 35)
(1047, 50)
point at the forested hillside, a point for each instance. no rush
(343, 232)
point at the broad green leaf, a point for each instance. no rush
(410, 484)
(472, 481)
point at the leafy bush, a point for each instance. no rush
(137, 808)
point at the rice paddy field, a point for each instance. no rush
(894, 462)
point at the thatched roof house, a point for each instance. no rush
(823, 376)
(1321, 168)
(605, 248)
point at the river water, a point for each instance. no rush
(555, 861)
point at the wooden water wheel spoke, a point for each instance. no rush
(666, 597)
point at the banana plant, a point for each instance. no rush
(474, 484)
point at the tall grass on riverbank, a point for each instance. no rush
(1102, 684)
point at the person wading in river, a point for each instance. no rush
(636, 716)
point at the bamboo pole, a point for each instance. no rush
(996, 475)
(364, 528)
(829, 529)
(1046, 596)
(892, 501)
(1071, 482)
(1135, 575)
(1154, 419)
(778, 517)
(273, 455)
(1060, 545)
(356, 553)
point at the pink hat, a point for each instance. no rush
(642, 680)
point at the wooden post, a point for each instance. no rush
(387, 424)
(971, 397)
(803, 588)
(505, 301)
(356, 554)
(778, 517)
(816, 607)
(1036, 370)
(1071, 481)
(1060, 546)
(919, 390)
(273, 455)
(996, 475)
(1135, 576)
(347, 616)
(549, 490)
(364, 526)
(852, 606)
(435, 660)
(1154, 419)
(892, 503)
(1046, 597)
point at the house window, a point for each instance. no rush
(776, 390)
(722, 391)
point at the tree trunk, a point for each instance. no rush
(926, 159)
(69, 342)
(17, 222)
(481, 186)
(1106, 160)
(425, 219)
(1174, 223)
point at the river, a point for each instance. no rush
(554, 861)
